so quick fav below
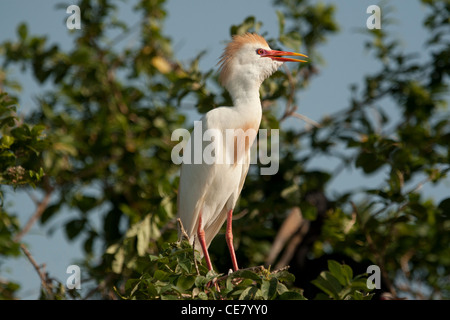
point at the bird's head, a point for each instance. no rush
(248, 60)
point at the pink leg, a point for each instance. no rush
(229, 238)
(201, 238)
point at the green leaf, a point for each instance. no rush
(284, 276)
(161, 275)
(359, 284)
(342, 273)
(444, 206)
(357, 295)
(84, 203)
(119, 258)
(247, 274)
(169, 297)
(250, 293)
(22, 31)
(49, 212)
(347, 272)
(201, 281)
(248, 24)
(185, 282)
(7, 121)
(143, 236)
(328, 284)
(185, 264)
(281, 288)
(269, 288)
(291, 295)
(292, 40)
(6, 141)
(368, 162)
(281, 21)
(74, 227)
(202, 295)
(132, 285)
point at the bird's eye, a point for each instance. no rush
(260, 51)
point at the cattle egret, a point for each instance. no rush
(208, 192)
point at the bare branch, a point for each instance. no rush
(42, 276)
(240, 214)
(307, 120)
(36, 215)
(182, 230)
(185, 235)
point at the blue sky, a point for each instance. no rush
(194, 26)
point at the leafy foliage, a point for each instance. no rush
(20, 146)
(338, 283)
(175, 275)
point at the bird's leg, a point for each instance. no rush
(201, 238)
(229, 238)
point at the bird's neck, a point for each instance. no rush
(246, 98)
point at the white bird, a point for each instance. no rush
(208, 191)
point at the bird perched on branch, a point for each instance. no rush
(209, 189)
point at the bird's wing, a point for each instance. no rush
(245, 168)
(196, 179)
(215, 226)
(194, 182)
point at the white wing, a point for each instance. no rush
(214, 227)
(210, 189)
(194, 182)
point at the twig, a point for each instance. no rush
(126, 33)
(240, 214)
(32, 197)
(42, 275)
(185, 235)
(37, 214)
(424, 181)
(182, 230)
(281, 269)
(307, 120)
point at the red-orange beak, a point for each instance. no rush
(277, 55)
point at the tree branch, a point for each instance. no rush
(37, 214)
(42, 276)
(182, 230)
(185, 235)
(306, 119)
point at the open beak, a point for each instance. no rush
(277, 55)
